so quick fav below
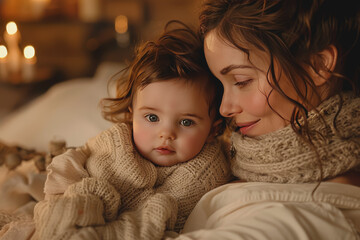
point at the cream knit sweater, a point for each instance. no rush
(124, 195)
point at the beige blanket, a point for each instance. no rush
(21, 188)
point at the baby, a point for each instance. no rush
(164, 137)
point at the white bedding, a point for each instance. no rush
(275, 211)
(68, 111)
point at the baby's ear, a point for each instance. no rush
(324, 63)
(130, 113)
(215, 130)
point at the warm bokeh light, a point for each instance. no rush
(121, 24)
(29, 52)
(3, 51)
(11, 28)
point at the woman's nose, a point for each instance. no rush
(229, 107)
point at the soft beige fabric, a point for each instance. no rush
(275, 211)
(151, 196)
(283, 157)
(21, 188)
(62, 173)
(18, 229)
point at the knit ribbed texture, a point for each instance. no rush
(283, 157)
(60, 216)
(100, 188)
(114, 159)
(147, 222)
(153, 199)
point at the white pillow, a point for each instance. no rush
(68, 111)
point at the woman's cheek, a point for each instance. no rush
(258, 105)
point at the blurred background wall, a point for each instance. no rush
(71, 37)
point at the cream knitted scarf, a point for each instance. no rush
(283, 157)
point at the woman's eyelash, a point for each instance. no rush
(243, 83)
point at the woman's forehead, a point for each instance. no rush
(221, 54)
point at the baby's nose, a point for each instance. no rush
(167, 133)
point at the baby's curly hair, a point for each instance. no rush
(176, 54)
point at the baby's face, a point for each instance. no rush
(171, 122)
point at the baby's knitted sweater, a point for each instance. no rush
(112, 163)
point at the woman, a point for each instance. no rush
(290, 72)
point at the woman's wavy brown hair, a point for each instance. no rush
(293, 33)
(177, 53)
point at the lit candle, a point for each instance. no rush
(121, 28)
(28, 71)
(12, 38)
(3, 63)
(12, 35)
(121, 24)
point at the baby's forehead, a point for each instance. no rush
(199, 85)
(175, 95)
(196, 82)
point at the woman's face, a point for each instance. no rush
(246, 88)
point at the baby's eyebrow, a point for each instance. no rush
(192, 115)
(147, 108)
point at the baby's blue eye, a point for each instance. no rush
(152, 118)
(186, 122)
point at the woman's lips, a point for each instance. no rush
(244, 128)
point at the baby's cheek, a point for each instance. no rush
(192, 146)
(141, 139)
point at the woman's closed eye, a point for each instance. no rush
(242, 80)
(243, 83)
(152, 117)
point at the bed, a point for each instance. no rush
(68, 111)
